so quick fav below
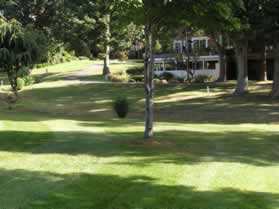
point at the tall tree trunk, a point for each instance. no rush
(150, 42)
(223, 65)
(275, 87)
(13, 82)
(219, 41)
(106, 69)
(242, 68)
(263, 70)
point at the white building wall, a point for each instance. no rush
(183, 74)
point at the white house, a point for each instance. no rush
(203, 58)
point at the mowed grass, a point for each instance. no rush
(62, 71)
(63, 147)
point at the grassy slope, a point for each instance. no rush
(62, 147)
(59, 72)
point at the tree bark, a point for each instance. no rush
(106, 69)
(263, 71)
(223, 66)
(13, 82)
(219, 41)
(242, 68)
(150, 42)
(275, 87)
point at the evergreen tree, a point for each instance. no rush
(17, 49)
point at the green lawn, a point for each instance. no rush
(63, 147)
(61, 71)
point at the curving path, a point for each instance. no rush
(83, 73)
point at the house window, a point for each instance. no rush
(178, 47)
(196, 65)
(200, 44)
(211, 65)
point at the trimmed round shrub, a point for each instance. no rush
(20, 83)
(121, 107)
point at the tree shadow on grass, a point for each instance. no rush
(170, 147)
(42, 190)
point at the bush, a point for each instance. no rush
(24, 71)
(119, 77)
(135, 71)
(29, 80)
(68, 56)
(156, 80)
(121, 107)
(20, 83)
(120, 55)
(203, 79)
(167, 76)
(42, 65)
(138, 78)
(57, 53)
(132, 80)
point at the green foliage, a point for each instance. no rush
(167, 76)
(203, 79)
(136, 71)
(131, 80)
(17, 49)
(156, 80)
(20, 83)
(29, 80)
(181, 80)
(120, 55)
(158, 47)
(42, 65)
(24, 71)
(138, 78)
(121, 106)
(101, 56)
(119, 77)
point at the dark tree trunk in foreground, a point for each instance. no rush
(13, 82)
(242, 68)
(219, 41)
(263, 72)
(106, 69)
(223, 65)
(150, 42)
(275, 87)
